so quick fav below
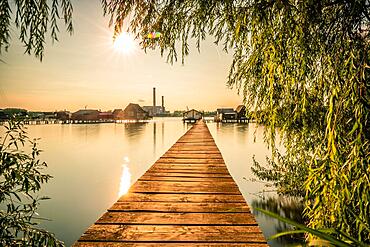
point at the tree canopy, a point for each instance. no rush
(303, 68)
(33, 19)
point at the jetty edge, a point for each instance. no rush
(187, 198)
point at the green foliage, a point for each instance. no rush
(287, 176)
(330, 236)
(303, 68)
(33, 19)
(20, 180)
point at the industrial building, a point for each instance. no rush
(155, 110)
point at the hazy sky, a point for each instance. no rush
(86, 70)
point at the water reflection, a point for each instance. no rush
(226, 128)
(96, 174)
(88, 131)
(125, 181)
(288, 207)
(154, 137)
(134, 129)
(162, 126)
(242, 132)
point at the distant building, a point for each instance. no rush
(63, 115)
(135, 112)
(191, 116)
(107, 115)
(86, 115)
(229, 115)
(241, 112)
(225, 114)
(154, 110)
(118, 114)
(49, 115)
(35, 115)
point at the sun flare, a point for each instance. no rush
(124, 43)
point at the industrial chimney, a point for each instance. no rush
(163, 109)
(154, 110)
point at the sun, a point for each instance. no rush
(124, 43)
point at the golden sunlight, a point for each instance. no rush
(125, 182)
(124, 43)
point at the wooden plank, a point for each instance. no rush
(194, 148)
(181, 198)
(197, 167)
(185, 179)
(180, 207)
(191, 161)
(192, 156)
(200, 165)
(188, 165)
(202, 172)
(193, 187)
(195, 140)
(193, 219)
(154, 233)
(165, 244)
(195, 143)
(187, 169)
(192, 152)
(188, 174)
(188, 144)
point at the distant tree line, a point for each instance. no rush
(8, 113)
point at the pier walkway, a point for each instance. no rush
(187, 198)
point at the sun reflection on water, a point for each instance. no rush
(125, 182)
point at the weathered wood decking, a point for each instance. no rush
(187, 198)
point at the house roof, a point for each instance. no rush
(134, 107)
(225, 110)
(240, 108)
(192, 110)
(116, 111)
(86, 112)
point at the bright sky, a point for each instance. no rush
(86, 70)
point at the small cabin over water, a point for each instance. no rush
(86, 115)
(118, 114)
(135, 112)
(231, 115)
(191, 116)
(241, 113)
(105, 115)
(225, 115)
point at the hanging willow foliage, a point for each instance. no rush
(303, 68)
(33, 19)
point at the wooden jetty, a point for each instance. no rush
(187, 198)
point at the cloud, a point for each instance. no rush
(141, 100)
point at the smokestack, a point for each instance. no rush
(163, 104)
(154, 110)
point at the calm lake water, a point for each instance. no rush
(93, 163)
